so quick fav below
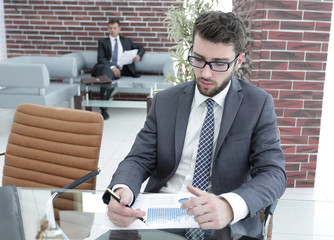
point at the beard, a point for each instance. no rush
(215, 88)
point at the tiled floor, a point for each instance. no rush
(293, 219)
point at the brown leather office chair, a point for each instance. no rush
(50, 147)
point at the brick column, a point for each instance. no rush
(287, 55)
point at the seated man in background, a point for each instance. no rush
(109, 53)
(215, 137)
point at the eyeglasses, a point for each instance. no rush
(215, 66)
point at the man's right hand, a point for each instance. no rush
(116, 72)
(118, 213)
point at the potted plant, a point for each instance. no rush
(180, 26)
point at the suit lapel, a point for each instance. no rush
(231, 107)
(109, 47)
(124, 43)
(182, 116)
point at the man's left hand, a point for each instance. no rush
(209, 210)
(136, 58)
(116, 72)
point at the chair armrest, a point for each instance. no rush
(76, 183)
(271, 208)
(81, 65)
(268, 212)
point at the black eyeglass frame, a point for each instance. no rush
(210, 63)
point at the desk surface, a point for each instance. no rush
(80, 215)
(73, 215)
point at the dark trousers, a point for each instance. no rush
(105, 93)
(102, 69)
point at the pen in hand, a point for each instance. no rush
(117, 198)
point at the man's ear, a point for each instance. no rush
(239, 61)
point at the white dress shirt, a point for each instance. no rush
(120, 49)
(185, 171)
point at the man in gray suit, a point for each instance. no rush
(108, 61)
(247, 164)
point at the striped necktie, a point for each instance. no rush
(115, 54)
(203, 162)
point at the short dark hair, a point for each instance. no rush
(217, 26)
(113, 21)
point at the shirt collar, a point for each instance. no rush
(112, 38)
(219, 98)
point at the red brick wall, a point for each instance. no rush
(288, 54)
(57, 27)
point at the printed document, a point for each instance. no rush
(162, 211)
(127, 57)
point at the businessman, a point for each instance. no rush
(109, 53)
(215, 137)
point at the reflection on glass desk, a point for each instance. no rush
(77, 214)
(74, 214)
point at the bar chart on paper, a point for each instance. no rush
(166, 215)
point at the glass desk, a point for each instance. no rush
(75, 214)
(78, 214)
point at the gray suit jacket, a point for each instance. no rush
(248, 159)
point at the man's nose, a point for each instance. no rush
(207, 72)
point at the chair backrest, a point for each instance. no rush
(57, 67)
(50, 147)
(24, 75)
